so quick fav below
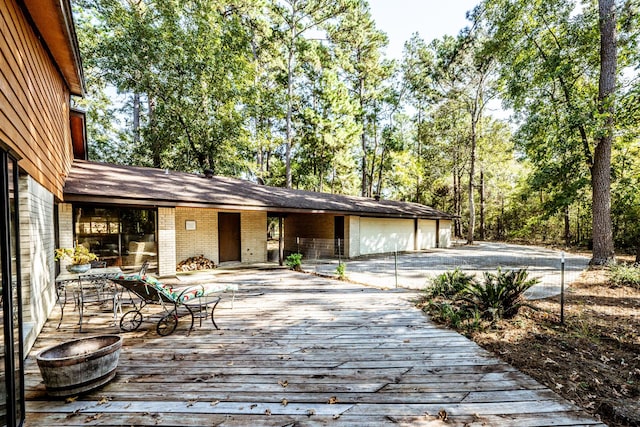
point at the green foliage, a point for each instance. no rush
(501, 294)
(78, 256)
(457, 299)
(341, 271)
(449, 284)
(625, 275)
(294, 261)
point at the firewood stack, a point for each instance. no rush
(196, 263)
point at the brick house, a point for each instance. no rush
(129, 214)
(52, 197)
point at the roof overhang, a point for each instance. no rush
(109, 184)
(148, 203)
(53, 20)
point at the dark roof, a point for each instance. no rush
(107, 183)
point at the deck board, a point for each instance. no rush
(299, 350)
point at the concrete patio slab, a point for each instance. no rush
(413, 270)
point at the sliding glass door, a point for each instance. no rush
(11, 354)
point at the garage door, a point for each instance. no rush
(382, 235)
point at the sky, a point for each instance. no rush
(430, 18)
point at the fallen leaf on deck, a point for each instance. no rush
(332, 400)
(92, 418)
(284, 383)
(103, 400)
(267, 412)
(71, 399)
(336, 416)
(284, 402)
(442, 414)
(215, 402)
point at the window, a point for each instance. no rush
(121, 236)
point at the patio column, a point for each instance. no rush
(166, 241)
(280, 241)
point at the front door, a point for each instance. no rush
(338, 235)
(229, 236)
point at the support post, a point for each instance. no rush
(280, 242)
(562, 289)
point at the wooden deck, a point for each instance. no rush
(300, 350)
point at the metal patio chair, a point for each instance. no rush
(193, 300)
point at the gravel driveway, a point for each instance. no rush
(415, 269)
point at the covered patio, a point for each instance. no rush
(298, 349)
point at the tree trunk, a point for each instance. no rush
(136, 119)
(373, 159)
(288, 142)
(482, 205)
(567, 227)
(363, 138)
(472, 171)
(603, 251)
(156, 149)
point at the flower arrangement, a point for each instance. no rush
(79, 255)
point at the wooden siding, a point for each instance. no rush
(34, 102)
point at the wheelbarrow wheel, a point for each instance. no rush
(167, 324)
(131, 321)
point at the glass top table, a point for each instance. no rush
(89, 287)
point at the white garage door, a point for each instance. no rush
(427, 233)
(381, 235)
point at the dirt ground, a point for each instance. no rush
(593, 359)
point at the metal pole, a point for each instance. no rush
(395, 261)
(562, 289)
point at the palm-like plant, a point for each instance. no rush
(501, 295)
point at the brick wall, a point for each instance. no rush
(201, 241)
(37, 244)
(204, 239)
(166, 241)
(310, 226)
(253, 229)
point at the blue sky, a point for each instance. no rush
(430, 18)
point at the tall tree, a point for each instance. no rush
(601, 170)
(295, 19)
(359, 45)
(456, 69)
(553, 52)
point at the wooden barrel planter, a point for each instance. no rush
(80, 365)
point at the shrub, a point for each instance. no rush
(294, 261)
(501, 295)
(341, 270)
(444, 312)
(449, 284)
(625, 275)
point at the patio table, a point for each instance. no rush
(88, 287)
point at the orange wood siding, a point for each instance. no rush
(34, 102)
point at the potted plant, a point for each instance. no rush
(79, 257)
